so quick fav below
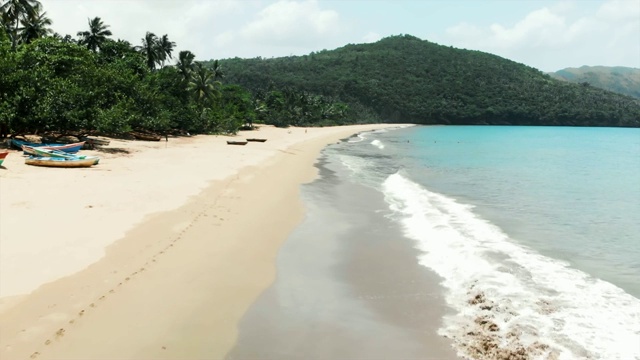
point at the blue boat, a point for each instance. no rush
(17, 144)
(68, 148)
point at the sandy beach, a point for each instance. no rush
(155, 253)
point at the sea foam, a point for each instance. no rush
(509, 300)
(377, 143)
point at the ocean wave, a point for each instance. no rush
(510, 301)
(356, 138)
(377, 143)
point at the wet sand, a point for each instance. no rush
(348, 286)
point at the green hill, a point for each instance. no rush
(406, 79)
(623, 80)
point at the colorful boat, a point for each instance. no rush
(236, 143)
(59, 162)
(17, 144)
(3, 155)
(68, 148)
(40, 152)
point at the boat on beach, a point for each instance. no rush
(257, 140)
(96, 140)
(146, 137)
(3, 155)
(236, 143)
(61, 162)
(40, 152)
(17, 144)
(68, 148)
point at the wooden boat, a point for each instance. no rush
(146, 137)
(40, 152)
(96, 140)
(257, 140)
(59, 162)
(3, 155)
(236, 143)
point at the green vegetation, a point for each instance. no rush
(58, 85)
(54, 85)
(405, 79)
(623, 80)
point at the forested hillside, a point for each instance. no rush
(91, 83)
(620, 79)
(405, 79)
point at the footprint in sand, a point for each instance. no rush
(92, 305)
(111, 291)
(101, 297)
(72, 321)
(127, 279)
(60, 333)
(81, 313)
(47, 342)
(34, 355)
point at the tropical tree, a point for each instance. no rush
(96, 36)
(35, 27)
(203, 85)
(12, 12)
(216, 68)
(149, 49)
(67, 39)
(164, 49)
(185, 64)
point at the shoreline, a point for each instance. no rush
(167, 258)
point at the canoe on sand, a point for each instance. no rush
(61, 162)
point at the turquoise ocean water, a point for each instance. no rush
(535, 231)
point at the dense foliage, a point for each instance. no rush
(55, 85)
(620, 79)
(405, 79)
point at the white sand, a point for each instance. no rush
(190, 229)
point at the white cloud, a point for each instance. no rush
(291, 23)
(551, 38)
(371, 37)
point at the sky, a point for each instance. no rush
(546, 34)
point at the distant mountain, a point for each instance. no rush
(623, 80)
(405, 79)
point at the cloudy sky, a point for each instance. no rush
(546, 34)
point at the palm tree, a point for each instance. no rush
(67, 39)
(13, 12)
(149, 49)
(203, 86)
(217, 70)
(185, 64)
(164, 49)
(96, 36)
(35, 27)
